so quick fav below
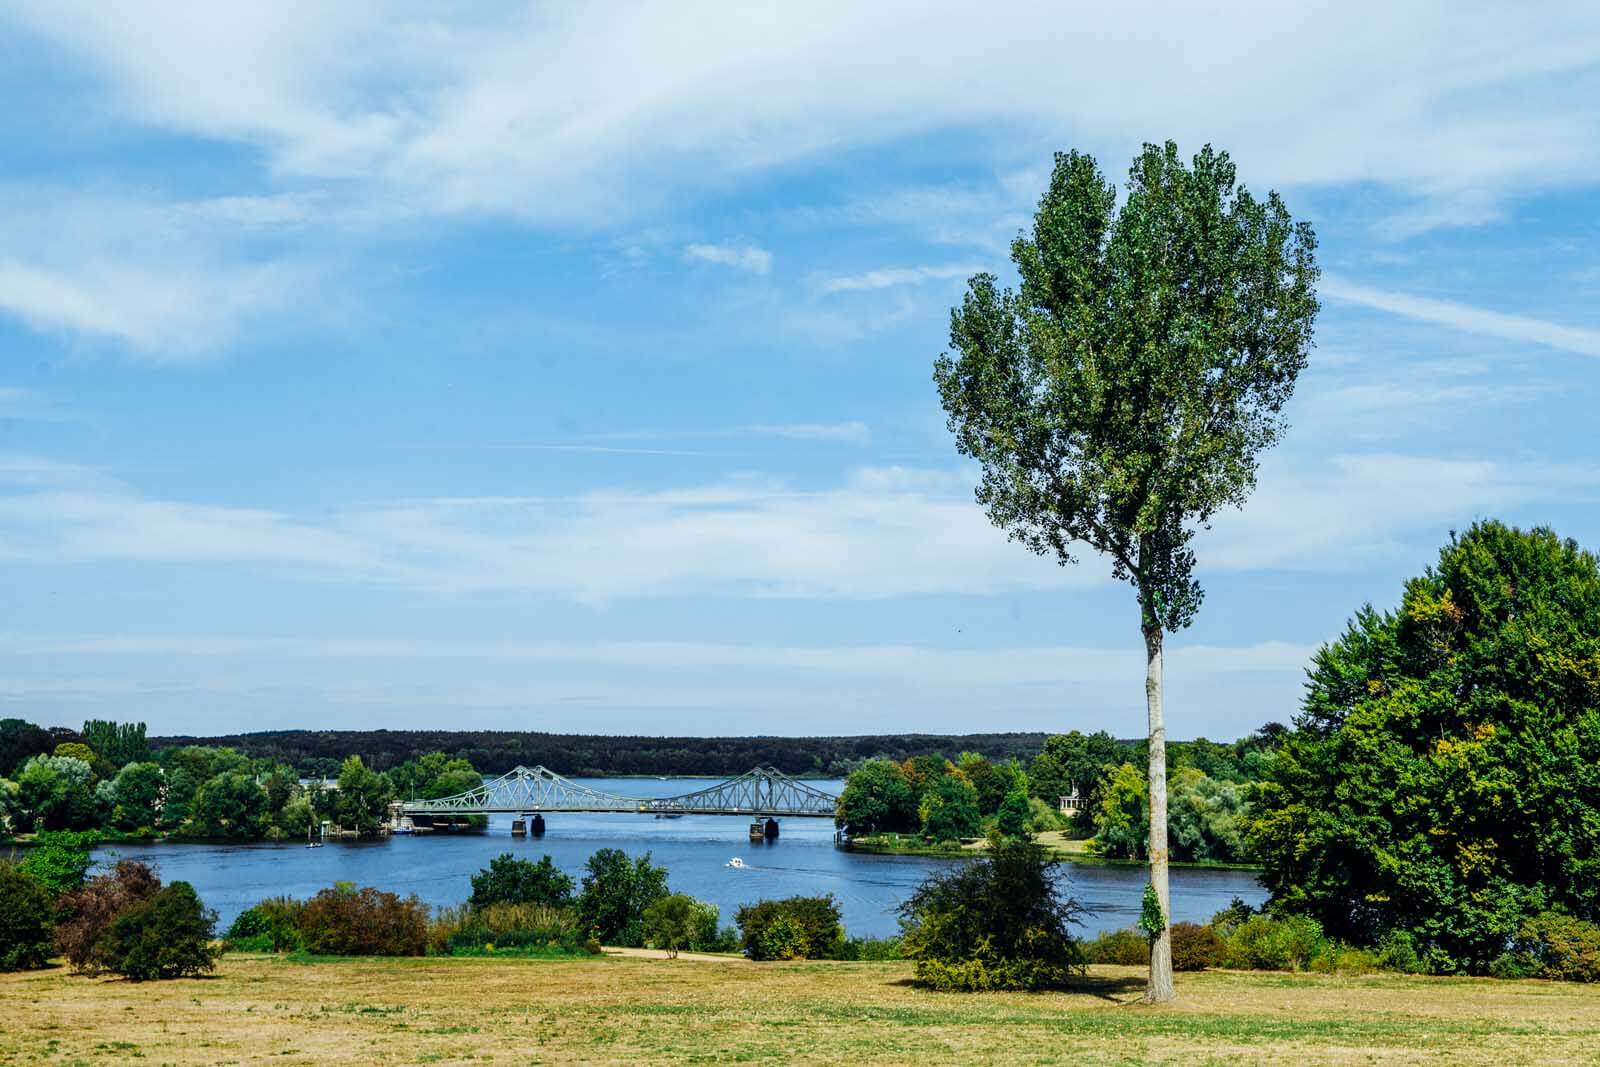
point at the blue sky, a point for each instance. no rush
(569, 368)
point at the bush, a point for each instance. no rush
(1397, 951)
(678, 922)
(508, 880)
(271, 926)
(26, 919)
(1346, 959)
(616, 891)
(167, 936)
(1196, 947)
(795, 928)
(995, 923)
(869, 949)
(1226, 921)
(89, 912)
(1263, 943)
(1042, 817)
(345, 921)
(1125, 948)
(528, 929)
(1559, 947)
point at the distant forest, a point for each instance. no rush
(317, 752)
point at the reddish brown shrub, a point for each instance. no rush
(89, 912)
(346, 921)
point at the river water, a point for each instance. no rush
(695, 849)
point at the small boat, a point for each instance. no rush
(737, 864)
(309, 842)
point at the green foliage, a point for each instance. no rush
(680, 922)
(121, 743)
(59, 860)
(790, 929)
(616, 891)
(872, 949)
(168, 935)
(1122, 820)
(181, 788)
(1196, 947)
(998, 922)
(1444, 777)
(231, 805)
(1205, 818)
(270, 926)
(949, 809)
(134, 796)
(27, 919)
(88, 913)
(1152, 920)
(1042, 817)
(1012, 818)
(18, 741)
(877, 798)
(505, 929)
(1559, 947)
(363, 799)
(346, 921)
(509, 880)
(57, 793)
(1125, 948)
(1120, 398)
(1264, 943)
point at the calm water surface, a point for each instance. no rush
(695, 850)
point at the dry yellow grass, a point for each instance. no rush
(621, 1010)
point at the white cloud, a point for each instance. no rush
(569, 114)
(739, 256)
(883, 532)
(851, 433)
(1466, 318)
(168, 280)
(890, 277)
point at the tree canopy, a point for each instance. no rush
(1444, 781)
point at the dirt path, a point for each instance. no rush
(660, 954)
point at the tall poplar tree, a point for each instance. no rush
(1122, 396)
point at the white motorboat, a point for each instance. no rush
(736, 863)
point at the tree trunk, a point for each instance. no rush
(1160, 987)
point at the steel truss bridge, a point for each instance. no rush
(764, 792)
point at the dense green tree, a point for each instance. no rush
(1444, 781)
(509, 880)
(20, 740)
(793, 928)
(27, 919)
(1074, 761)
(950, 809)
(10, 813)
(1012, 818)
(134, 796)
(1122, 817)
(230, 805)
(616, 892)
(364, 795)
(59, 859)
(678, 922)
(57, 793)
(878, 799)
(120, 743)
(167, 936)
(1208, 818)
(1122, 397)
(179, 798)
(999, 922)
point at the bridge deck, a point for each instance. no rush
(763, 791)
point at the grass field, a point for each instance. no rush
(614, 1010)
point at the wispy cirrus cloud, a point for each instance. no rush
(744, 257)
(1466, 318)
(891, 277)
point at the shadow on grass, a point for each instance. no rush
(1114, 989)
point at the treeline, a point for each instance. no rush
(320, 752)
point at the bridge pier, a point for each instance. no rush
(764, 829)
(538, 825)
(519, 828)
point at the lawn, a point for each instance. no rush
(613, 1010)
